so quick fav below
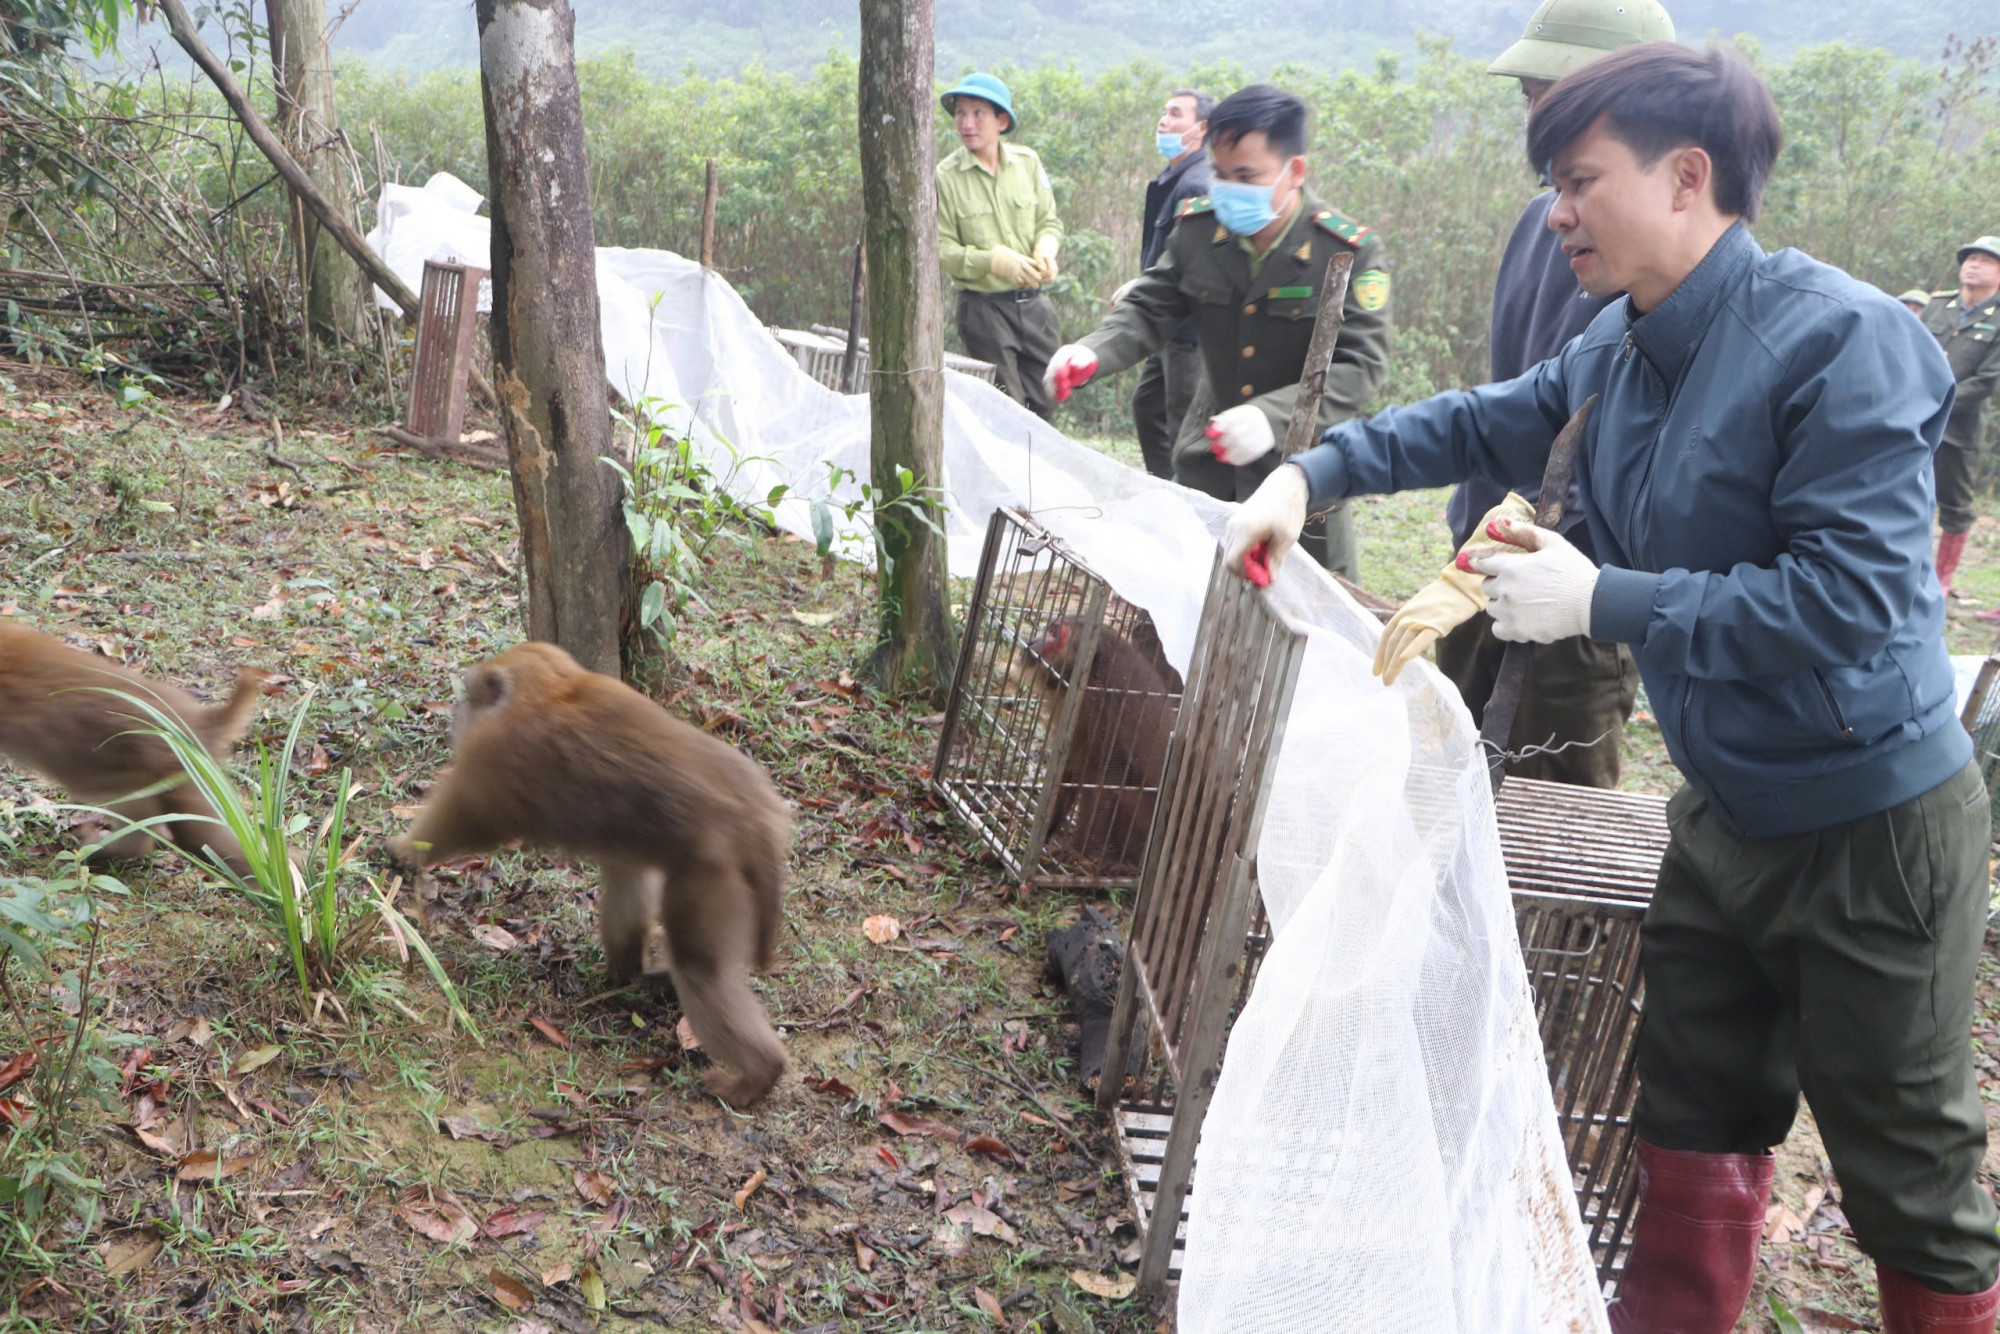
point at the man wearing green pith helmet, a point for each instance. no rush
(1579, 692)
(998, 236)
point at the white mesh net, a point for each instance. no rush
(1381, 1153)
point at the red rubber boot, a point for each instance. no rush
(1908, 1307)
(1694, 1244)
(1951, 546)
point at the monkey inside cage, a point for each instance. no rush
(1060, 715)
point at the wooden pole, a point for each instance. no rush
(898, 110)
(1299, 433)
(852, 358)
(548, 353)
(183, 30)
(709, 190)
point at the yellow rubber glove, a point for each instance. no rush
(1011, 266)
(1447, 602)
(1045, 257)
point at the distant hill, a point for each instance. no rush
(672, 37)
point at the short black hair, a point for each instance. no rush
(1204, 103)
(1260, 108)
(1658, 96)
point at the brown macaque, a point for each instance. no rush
(1111, 776)
(689, 835)
(56, 720)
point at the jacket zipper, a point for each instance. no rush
(1832, 705)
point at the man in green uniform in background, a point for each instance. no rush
(1247, 264)
(1964, 322)
(998, 235)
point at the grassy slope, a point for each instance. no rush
(386, 590)
(376, 594)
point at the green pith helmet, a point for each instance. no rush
(1916, 296)
(1564, 34)
(1986, 244)
(985, 86)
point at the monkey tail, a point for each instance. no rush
(225, 723)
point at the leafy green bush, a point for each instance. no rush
(1881, 174)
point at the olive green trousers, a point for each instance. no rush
(1839, 964)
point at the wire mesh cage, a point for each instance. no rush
(1582, 864)
(1060, 715)
(1198, 928)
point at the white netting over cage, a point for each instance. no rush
(1381, 1153)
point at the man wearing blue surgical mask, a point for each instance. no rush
(1246, 265)
(1167, 384)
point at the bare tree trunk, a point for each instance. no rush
(302, 59)
(547, 354)
(905, 338)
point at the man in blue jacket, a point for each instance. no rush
(1756, 480)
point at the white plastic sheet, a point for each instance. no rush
(1381, 1154)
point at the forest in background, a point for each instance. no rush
(672, 37)
(1886, 169)
(1881, 173)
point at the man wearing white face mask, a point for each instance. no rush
(1246, 264)
(1167, 384)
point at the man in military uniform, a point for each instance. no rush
(998, 235)
(1247, 263)
(1917, 299)
(1167, 384)
(1964, 322)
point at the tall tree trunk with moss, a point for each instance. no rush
(548, 358)
(905, 341)
(302, 61)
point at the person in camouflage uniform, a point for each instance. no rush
(1246, 264)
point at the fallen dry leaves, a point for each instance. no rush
(750, 1187)
(594, 1186)
(437, 1214)
(204, 1166)
(1111, 1287)
(510, 1292)
(882, 928)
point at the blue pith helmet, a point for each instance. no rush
(984, 85)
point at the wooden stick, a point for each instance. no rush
(708, 193)
(183, 30)
(1497, 724)
(1299, 433)
(852, 356)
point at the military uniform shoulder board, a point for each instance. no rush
(1335, 223)
(1198, 204)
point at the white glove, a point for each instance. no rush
(1540, 594)
(1266, 526)
(1240, 435)
(1072, 364)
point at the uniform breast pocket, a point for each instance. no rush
(979, 227)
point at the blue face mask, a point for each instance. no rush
(1243, 209)
(1171, 145)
